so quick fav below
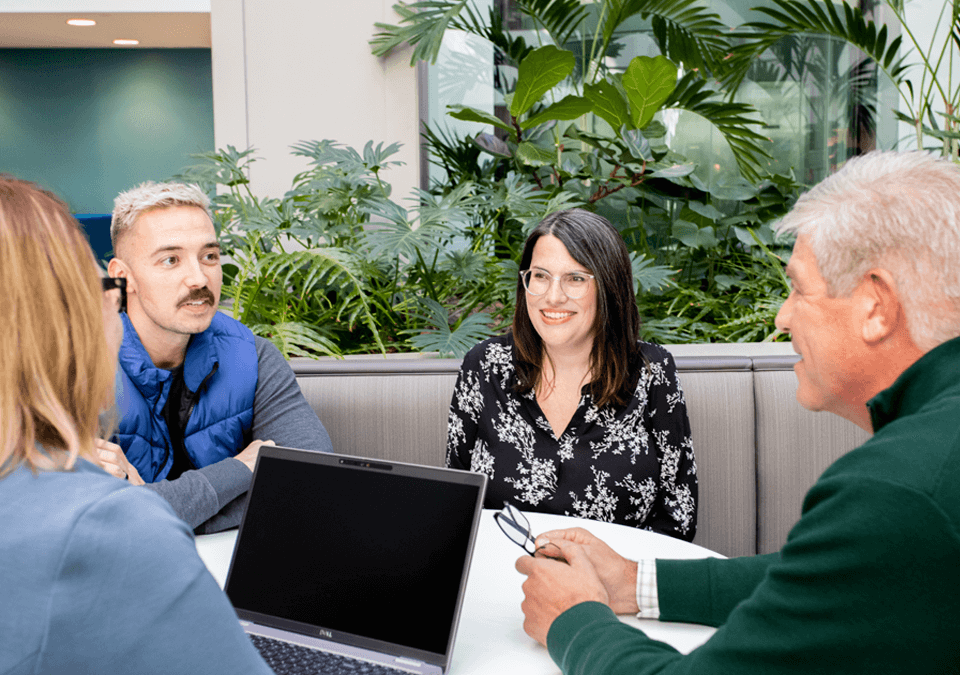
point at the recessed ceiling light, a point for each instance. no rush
(81, 22)
(126, 42)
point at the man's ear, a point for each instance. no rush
(117, 268)
(881, 311)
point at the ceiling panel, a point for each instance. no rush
(152, 29)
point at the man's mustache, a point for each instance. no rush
(196, 294)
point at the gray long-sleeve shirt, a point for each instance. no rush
(212, 498)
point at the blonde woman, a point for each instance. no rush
(96, 577)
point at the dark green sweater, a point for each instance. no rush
(868, 581)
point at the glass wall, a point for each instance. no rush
(820, 100)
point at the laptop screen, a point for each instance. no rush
(371, 549)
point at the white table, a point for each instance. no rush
(490, 638)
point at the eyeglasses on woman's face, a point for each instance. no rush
(116, 284)
(573, 284)
(517, 528)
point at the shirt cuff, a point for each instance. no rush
(647, 598)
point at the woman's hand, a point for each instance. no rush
(115, 463)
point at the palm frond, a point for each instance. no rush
(685, 31)
(324, 266)
(344, 158)
(732, 120)
(297, 339)
(792, 17)
(422, 25)
(227, 167)
(560, 18)
(396, 236)
(441, 337)
(647, 275)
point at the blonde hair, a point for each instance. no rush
(57, 370)
(130, 205)
(895, 211)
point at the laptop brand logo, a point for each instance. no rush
(324, 633)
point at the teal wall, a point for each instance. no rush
(89, 123)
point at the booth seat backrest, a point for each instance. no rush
(794, 446)
(758, 451)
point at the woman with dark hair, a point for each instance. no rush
(571, 413)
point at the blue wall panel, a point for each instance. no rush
(89, 123)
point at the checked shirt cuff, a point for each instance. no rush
(647, 599)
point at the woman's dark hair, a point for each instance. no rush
(597, 245)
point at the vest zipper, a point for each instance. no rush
(195, 396)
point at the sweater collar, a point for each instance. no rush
(931, 375)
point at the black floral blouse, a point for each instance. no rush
(631, 464)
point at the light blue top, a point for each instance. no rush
(99, 577)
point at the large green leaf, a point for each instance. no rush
(568, 108)
(674, 170)
(439, 337)
(648, 83)
(534, 155)
(493, 145)
(693, 236)
(468, 114)
(540, 71)
(608, 103)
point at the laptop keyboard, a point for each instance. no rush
(286, 658)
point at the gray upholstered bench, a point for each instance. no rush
(758, 451)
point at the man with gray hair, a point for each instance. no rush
(869, 579)
(198, 393)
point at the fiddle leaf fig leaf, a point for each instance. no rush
(608, 103)
(637, 145)
(493, 145)
(648, 83)
(468, 114)
(533, 155)
(539, 72)
(675, 170)
(693, 236)
(568, 108)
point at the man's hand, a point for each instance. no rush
(552, 587)
(249, 454)
(618, 575)
(115, 463)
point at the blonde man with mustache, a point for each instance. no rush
(198, 393)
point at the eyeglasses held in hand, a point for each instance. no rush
(517, 528)
(573, 284)
(111, 283)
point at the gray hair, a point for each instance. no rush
(130, 205)
(899, 211)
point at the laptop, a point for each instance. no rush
(357, 557)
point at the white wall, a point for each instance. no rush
(298, 70)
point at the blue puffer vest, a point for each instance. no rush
(222, 362)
